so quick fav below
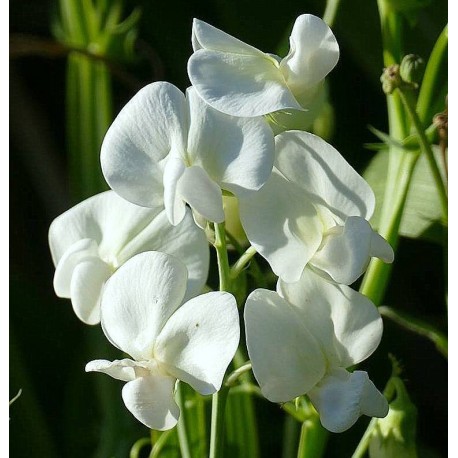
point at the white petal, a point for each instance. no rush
(153, 123)
(314, 52)
(282, 225)
(380, 248)
(174, 205)
(138, 300)
(98, 218)
(286, 358)
(206, 36)
(150, 400)
(88, 280)
(346, 251)
(201, 193)
(76, 252)
(124, 369)
(327, 177)
(238, 84)
(346, 323)
(185, 241)
(237, 153)
(341, 398)
(199, 341)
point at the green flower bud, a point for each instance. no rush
(411, 69)
(394, 435)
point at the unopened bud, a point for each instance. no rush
(391, 79)
(411, 69)
(394, 435)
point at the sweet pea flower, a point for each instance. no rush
(313, 211)
(302, 338)
(240, 80)
(166, 149)
(91, 240)
(142, 315)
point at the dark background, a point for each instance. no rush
(57, 415)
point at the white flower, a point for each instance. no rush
(302, 338)
(168, 149)
(240, 80)
(313, 211)
(142, 315)
(91, 240)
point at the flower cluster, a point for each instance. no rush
(136, 258)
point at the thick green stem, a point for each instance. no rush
(312, 442)
(427, 150)
(377, 275)
(400, 164)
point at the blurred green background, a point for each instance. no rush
(64, 412)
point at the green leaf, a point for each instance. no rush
(422, 213)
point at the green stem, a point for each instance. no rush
(223, 261)
(312, 441)
(159, 443)
(183, 436)
(220, 397)
(235, 375)
(330, 12)
(137, 447)
(238, 267)
(427, 150)
(400, 164)
(377, 275)
(217, 422)
(417, 326)
(363, 445)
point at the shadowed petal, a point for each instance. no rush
(342, 397)
(287, 360)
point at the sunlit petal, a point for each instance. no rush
(199, 341)
(238, 84)
(185, 241)
(237, 153)
(75, 253)
(88, 279)
(314, 52)
(138, 300)
(153, 123)
(324, 174)
(175, 207)
(124, 369)
(150, 400)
